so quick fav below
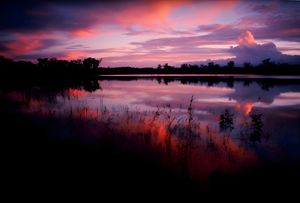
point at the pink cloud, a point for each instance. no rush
(249, 50)
(84, 33)
(25, 43)
(71, 55)
(204, 12)
(148, 15)
(167, 31)
(246, 38)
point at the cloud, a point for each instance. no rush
(166, 30)
(28, 43)
(246, 38)
(211, 27)
(75, 52)
(3, 48)
(272, 20)
(72, 16)
(249, 51)
(244, 93)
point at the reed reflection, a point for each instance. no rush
(195, 127)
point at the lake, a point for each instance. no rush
(197, 126)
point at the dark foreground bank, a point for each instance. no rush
(52, 156)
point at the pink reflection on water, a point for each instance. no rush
(149, 94)
(194, 149)
(245, 107)
(154, 117)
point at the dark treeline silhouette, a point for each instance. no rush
(50, 76)
(265, 67)
(49, 68)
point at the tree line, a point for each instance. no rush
(49, 67)
(53, 67)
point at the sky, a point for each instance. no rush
(143, 33)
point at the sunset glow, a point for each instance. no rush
(191, 99)
(147, 33)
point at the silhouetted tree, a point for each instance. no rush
(267, 63)
(75, 65)
(247, 65)
(166, 66)
(193, 66)
(230, 64)
(90, 63)
(256, 127)
(226, 121)
(43, 62)
(211, 64)
(91, 85)
(217, 66)
(184, 66)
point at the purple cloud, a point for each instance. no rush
(249, 51)
(74, 29)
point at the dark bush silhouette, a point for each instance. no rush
(230, 64)
(90, 64)
(256, 127)
(267, 63)
(159, 67)
(226, 121)
(247, 65)
(91, 85)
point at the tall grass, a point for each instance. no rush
(193, 149)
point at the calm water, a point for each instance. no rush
(196, 125)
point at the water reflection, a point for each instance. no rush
(226, 121)
(196, 126)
